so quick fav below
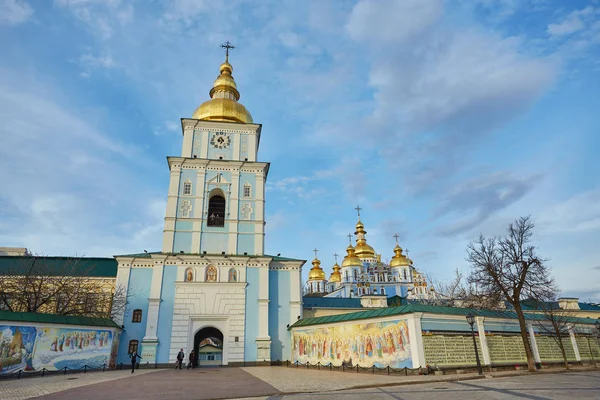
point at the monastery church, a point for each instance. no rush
(212, 284)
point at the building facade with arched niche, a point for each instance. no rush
(212, 271)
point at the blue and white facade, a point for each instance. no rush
(212, 272)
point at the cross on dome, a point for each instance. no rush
(335, 255)
(227, 46)
(316, 251)
(358, 211)
(396, 236)
(350, 238)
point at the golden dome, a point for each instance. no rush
(362, 249)
(335, 275)
(399, 259)
(316, 272)
(223, 105)
(351, 260)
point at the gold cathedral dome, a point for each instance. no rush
(316, 272)
(399, 259)
(335, 275)
(350, 260)
(362, 249)
(223, 104)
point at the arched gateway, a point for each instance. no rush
(208, 346)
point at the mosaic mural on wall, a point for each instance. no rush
(378, 344)
(30, 348)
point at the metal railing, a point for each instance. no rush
(356, 368)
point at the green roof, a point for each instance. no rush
(87, 266)
(422, 308)
(148, 255)
(55, 319)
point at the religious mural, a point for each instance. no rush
(29, 348)
(379, 344)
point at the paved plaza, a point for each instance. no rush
(274, 383)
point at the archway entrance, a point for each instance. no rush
(208, 346)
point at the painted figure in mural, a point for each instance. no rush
(211, 274)
(61, 342)
(189, 276)
(380, 345)
(232, 275)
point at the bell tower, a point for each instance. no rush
(217, 187)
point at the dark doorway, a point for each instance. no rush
(208, 347)
(216, 211)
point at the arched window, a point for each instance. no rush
(189, 275)
(211, 273)
(318, 286)
(347, 278)
(187, 187)
(355, 275)
(247, 190)
(233, 275)
(382, 290)
(137, 316)
(405, 276)
(216, 210)
(133, 346)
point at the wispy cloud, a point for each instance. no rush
(14, 12)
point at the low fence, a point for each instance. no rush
(356, 368)
(62, 371)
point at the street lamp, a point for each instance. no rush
(471, 320)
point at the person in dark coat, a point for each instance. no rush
(192, 362)
(180, 357)
(134, 357)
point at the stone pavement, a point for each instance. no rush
(262, 383)
(571, 386)
(26, 388)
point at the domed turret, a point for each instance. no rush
(335, 275)
(223, 105)
(316, 272)
(362, 249)
(399, 259)
(351, 260)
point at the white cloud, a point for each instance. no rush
(577, 214)
(574, 22)
(89, 62)
(14, 12)
(392, 21)
(103, 17)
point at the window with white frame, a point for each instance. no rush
(247, 190)
(187, 188)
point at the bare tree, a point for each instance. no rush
(556, 322)
(59, 286)
(510, 266)
(458, 292)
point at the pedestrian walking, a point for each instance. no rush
(192, 362)
(134, 356)
(180, 357)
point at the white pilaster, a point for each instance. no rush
(204, 140)
(574, 343)
(533, 342)
(295, 294)
(198, 210)
(259, 215)
(252, 150)
(485, 350)
(233, 211)
(122, 284)
(154, 301)
(263, 340)
(417, 351)
(235, 147)
(188, 138)
(171, 213)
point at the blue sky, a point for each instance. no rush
(442, 119)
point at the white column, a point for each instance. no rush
(574, 343)
(534, 348)
(252, 139)
(263, 341)
(198, 210)
(485, 350)
(188, 137)
(150, 340)
(171, 213)
(235, 147)
(233, 212)
(122, 284)
(417, 351)
(295, 294)
(204, 143)
(259, 215)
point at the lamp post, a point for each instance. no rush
(471, 320)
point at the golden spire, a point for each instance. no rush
(223, 105)
(335, 275)
(316, 272)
